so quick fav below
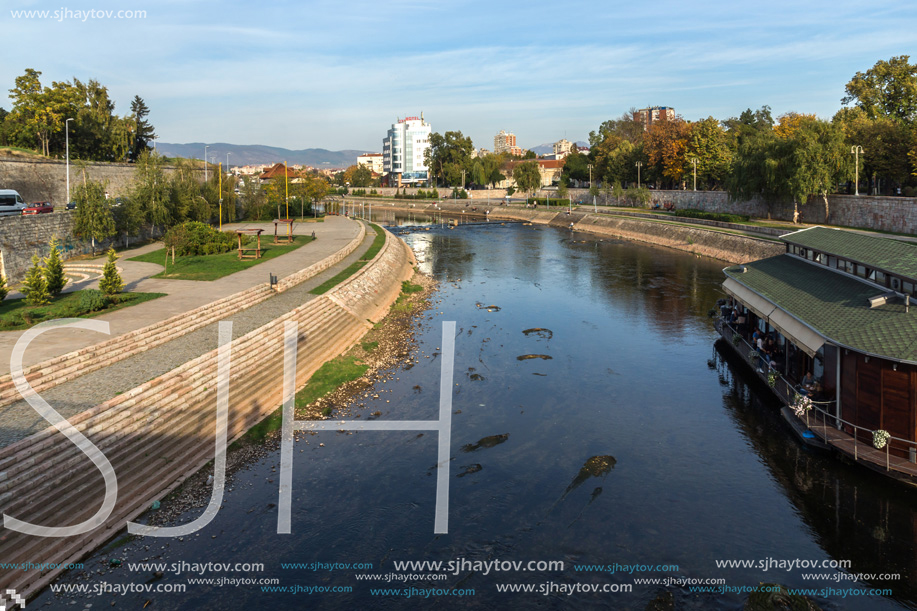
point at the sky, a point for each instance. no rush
(336, 75)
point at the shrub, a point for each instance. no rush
(92, 300)
(35, 287)
(4, 289)
(54, 271)
(111, 283)
(193, 238)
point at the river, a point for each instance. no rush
(595, 422)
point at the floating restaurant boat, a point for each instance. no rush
(836, 304)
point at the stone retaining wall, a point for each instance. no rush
(720, 245)
(162, 431)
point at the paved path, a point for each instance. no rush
(182, 295)
(19, 420)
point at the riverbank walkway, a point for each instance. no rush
(18, 420)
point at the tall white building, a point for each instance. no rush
(403, 151)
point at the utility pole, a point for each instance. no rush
(639, 165)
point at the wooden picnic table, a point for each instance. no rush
(243, 249)
(289, 237)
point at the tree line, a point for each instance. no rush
(39, 114)
(788, 158)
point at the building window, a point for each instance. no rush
(822, 258)
(862, 271)
(907, 288)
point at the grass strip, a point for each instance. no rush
(329, 377)
(16, 315)
(213, 267)
(351, 269)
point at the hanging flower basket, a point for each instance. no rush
(772, 376)
(801, 404)
(880, 438)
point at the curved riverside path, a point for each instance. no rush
(181, 295)
(18, 420)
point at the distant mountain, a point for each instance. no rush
(258, 154)
(548, 149)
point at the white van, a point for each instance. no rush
(11, 203)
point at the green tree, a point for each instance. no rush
(576, 167)
(447, 156)
(151, 190)
(93, 219)
(709, 144)
(886, 143)
(478, 175)
(750, 124)
(54, 270)
(35, 287)
(4, 288)
(111, 283)
(142, 130)
(362, 177)
(888, 89)
(562, 190)
(527, 176)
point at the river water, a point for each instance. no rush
(596, 422)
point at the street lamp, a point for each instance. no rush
(856, 150)
(694, 163)
(220, 191)
(594, 208)
(205, 161)
(67, 134)
(639, 165)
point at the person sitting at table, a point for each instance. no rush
(808, 385)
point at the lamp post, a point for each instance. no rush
(205, 161)
(639, 165)
(67, 135)
(856, 150)
(694, 163)
(286, 187)
(220, 191)
(594, 207)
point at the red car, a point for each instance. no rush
(38, 208)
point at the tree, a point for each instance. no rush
(54, 270)
(888, 89)
(885, 141)
(93, 215)
(820, 159)
(151, 191)
(362, 177)
(447, 156)
(666, 145)
(111, 283)
(128, 218)
(527, 176)
(478, 175)
(142, 130)
(4, 289)
(576, 167)
(35, 287)
(750, 124)
(562, 189)
(709, 144)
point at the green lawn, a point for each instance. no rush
(16, 315)
(212, 267)
(351, 269)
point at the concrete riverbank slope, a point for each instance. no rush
(158, 433)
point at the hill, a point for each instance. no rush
(259, 154)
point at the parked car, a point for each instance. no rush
(11, 202)
(38, 208)
(71, 206)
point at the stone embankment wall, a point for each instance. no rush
(46, 179)
(717, 244)
(159, 433)
(896, 214)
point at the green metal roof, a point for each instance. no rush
(889, 255)
(834, 305)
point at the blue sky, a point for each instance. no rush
(336, 74)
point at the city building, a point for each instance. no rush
(836, 309)
(562, 148)
(551, 170)
(506, 143)
(403, 151)
(654, 113)
(373, 161)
